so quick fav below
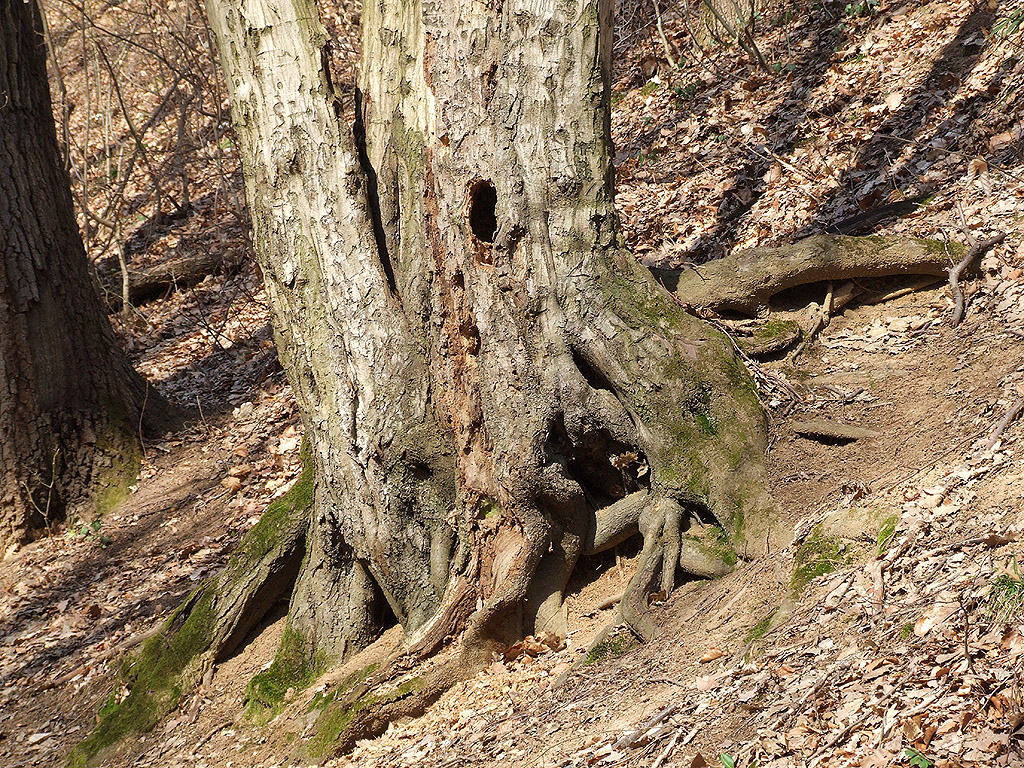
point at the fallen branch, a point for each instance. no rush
(744, 281)
(1005, 422)
(954, 274)
(631, 736)
(181, 272)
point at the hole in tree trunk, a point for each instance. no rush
(603, 467)
(483, 199)
(383, 616)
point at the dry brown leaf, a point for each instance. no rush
(233, 484)
(1000, 140)
(711, 654)
(707, 682)
(976, 167)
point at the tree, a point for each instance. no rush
(492, 388)
(71, 405)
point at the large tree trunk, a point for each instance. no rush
(71, 406)
(491, 386)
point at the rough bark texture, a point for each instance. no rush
(746, 280)
(71, 406)
(491, 386)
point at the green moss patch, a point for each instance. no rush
(714, 543)
(295, 666)
(1006, 598)
(760, 629)
(818, 555)
(280, 514)
(887, 533)
(336, 717)
(611, 648)
(152, 677)
(324, 698)
(118, 442)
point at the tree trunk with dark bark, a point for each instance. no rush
(71, 406)
(492, 388)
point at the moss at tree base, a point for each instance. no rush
(295, 666)
(153, 677)
(170, 664)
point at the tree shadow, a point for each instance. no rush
(895, 150)
(885, 154)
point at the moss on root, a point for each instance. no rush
(262, 537)
(714, 542)
(335, 719)
(818, 555)
(166, 665)
(295, 666)
(153, 677)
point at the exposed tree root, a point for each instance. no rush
(977, 249)
(210, 624)
(364, 715)
(746, 280)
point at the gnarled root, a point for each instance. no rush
(666, 527)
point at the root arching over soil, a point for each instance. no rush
(745, 280)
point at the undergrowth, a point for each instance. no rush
(1006, 599)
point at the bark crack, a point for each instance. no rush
(373, 195)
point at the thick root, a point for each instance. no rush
(362, 714)
(746, 280)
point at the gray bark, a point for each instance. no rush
(481, 369)
(70, 404)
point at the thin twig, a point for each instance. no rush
(954, 274)
(661, 34)
(1004, 422)
(667, 751)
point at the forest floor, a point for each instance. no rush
(891, 632)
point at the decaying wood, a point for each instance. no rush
(153, 281)
(744, 281)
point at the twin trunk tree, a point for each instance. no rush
(71, 405)
(491, 386)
